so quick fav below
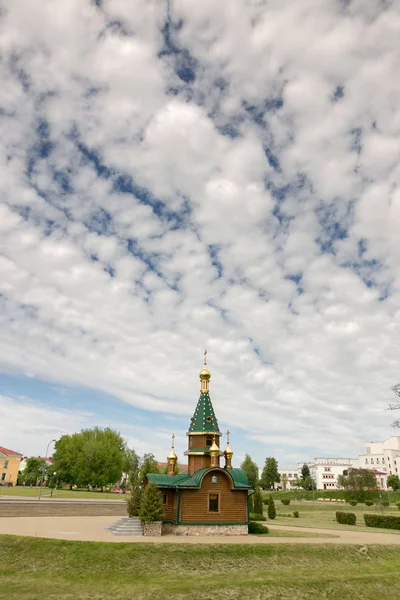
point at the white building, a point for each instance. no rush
(383, 458)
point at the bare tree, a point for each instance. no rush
(396, 390)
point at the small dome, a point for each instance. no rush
(214, 448)
(228, 451)
(172, 455)
(205, 373)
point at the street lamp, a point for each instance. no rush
(43, 469)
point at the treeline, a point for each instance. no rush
(270, 475)
(93, 458)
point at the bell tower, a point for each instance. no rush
(203, 435)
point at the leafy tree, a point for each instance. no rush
(271, 508)
(393, 481)
(307, 483)
(131, 466)
(270, 474)
(148, 465)
(251, 470)
(358, 482)
(134, 501)
(33, 471)
(305, 471)
(93, 457)
(258, 506)
(284, 481)
(151, 507)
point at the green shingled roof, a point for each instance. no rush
(204, 420)
(183, 480)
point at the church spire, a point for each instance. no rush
(204, 420)
(205, 375)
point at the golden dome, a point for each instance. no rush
(172, 456)
(205, 373)
(214, 450)
(228, 451)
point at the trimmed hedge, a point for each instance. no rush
(369, 503)
(296, 514)
(353, 502)
(346, 518)
(257, 528)
(285, 501)
(256, 517)
(383, 521)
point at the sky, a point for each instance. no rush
(180, 175)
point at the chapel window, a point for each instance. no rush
(213, 503)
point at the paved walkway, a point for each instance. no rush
(92, 529)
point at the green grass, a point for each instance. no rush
(33, 492)
(285, 533)
(322, 515)
(32, 567)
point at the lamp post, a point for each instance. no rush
(43, 469)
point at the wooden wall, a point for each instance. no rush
(170, 505)
(233, 503)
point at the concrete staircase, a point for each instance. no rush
(129, 526)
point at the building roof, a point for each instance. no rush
(164, 465)
(183, 480)
(8, 452)
(204, 419)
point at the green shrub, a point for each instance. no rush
(296, 514)
(384, 521)
(369, 503)
(256, 517)
(398, 505)
(285, 501)
(284, 514)
(151, 508)
(271, 508)
(134, 501)
(345, 518)
(353, 502)
(385, 503)
(258, 503)
(257, 528)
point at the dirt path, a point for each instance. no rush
(92, 529)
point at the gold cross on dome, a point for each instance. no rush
(228, 433)
(205, 357)
(173, 440)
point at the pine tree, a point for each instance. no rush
(251, 470)
(271, 508)
(305, 471)
(270, 474)
(134, 501)
(151, 508)
(258, 503)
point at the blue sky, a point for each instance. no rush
(180, 176)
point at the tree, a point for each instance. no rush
(94, 457)
(34, 469)
(251, 470)
(148, 465)
(151, 508)
(307, 483)
(358, 481)
(305, 471)
(270, 474)
(393, 481)
(134, 501)
(271, 508)
(258, 507)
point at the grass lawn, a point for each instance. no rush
(33, 492)
(323, 515)
(284, 533)
(33, 567)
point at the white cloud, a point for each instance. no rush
(226, 179)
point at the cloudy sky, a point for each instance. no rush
(180, 175)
